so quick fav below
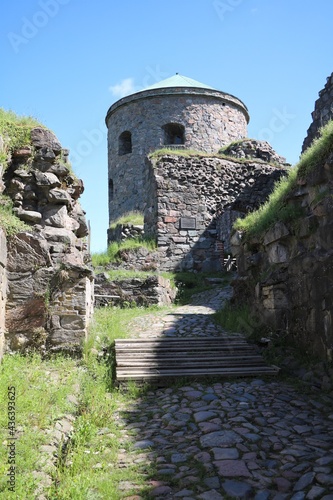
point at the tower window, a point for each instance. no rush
(125, 143)
(111, 189)
(174, 133)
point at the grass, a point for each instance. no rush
(15, 132)
(276, 207)
(135, 218)
(318, 152)
(189, 284)
(238, 318)
(192, 153)
(273, 210)
(8, 220)
(179, 152)
(113, 253)
(110, 323)
(234, 143)
(87, 467)
(91, 470)
(32, 377)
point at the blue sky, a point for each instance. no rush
(66, 61)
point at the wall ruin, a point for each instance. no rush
(286, 274)
(188, 196)
(49, 278)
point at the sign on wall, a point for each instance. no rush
(188, 223)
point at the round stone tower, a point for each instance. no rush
(177, 112)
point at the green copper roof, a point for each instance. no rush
(178, 81)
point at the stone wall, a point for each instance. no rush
(188, 195)
(50, 281)
(211, 119)
(3, 289)
(286, 274)
(322, 113)
(152, 290)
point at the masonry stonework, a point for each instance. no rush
(181, 116)
(192, 202)
(47, 272)
(286, 274)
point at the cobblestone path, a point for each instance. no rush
(242, 438)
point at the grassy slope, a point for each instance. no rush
(276, 208)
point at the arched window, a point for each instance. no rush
(125, 143)
(174, 133)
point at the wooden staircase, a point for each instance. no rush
(159, 358)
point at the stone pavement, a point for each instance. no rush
(227, 439)
(185, 321)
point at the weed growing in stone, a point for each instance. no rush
(8, 220)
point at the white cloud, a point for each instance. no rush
(125, 87)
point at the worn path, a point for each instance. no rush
(255, 439)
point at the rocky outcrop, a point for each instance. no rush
(286, 273)
(50, 281)
(322, 113)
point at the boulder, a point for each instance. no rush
(27, 252)
(59, 196)
(46, 179)
(29, 216)
(41, 137)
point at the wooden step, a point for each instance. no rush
(155, 358)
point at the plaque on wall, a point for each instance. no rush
(188, 223)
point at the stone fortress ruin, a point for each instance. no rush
(189, 202)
